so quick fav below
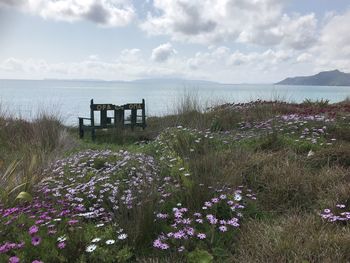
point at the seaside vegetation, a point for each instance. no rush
(265, 181)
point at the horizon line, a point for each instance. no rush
(135, 80)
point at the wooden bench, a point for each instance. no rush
(117, 120)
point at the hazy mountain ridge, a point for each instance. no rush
(325, 78)
(174, 80)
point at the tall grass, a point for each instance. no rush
(293, 238)
(26, 148)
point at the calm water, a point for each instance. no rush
(71, 98)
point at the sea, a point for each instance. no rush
(69, 99)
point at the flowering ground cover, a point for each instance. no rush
(88, 191)
(251, 193)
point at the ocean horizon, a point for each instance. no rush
(70, 98)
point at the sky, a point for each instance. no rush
(228, 41)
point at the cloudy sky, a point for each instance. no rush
(229, 41)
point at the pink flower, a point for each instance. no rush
(178, 214)
(223, 228)
(199, 220)
(36, 241)
(208, 204)
(223, 196)
(33, 229)
(201, 236)
(61, 245)
(14, 259)
(20, 245)
(159, 244)
(162, 216)
(215, 200)
(73, 221)
(51, 232)
(37, 261)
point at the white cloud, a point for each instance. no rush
(102, 12)
(94, 57)
(11, 64)
(260, 22)
(163, 52)
(130, 55)
(300, 32)
(332, 48)
(218, 64)
(223, 57)
(304, 57)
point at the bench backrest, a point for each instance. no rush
(118, 114)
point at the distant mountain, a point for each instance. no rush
(325, 78)
(174, 80)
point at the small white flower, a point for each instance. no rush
(62, 238)
(90, 248)
(100, 225)
(110, 242)
(238, 197)
(122, 236)
(96, 240)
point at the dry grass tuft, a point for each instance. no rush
(31, 145)
(284, 182)
(294, 238)
(339, 155)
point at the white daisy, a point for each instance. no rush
(110, 242)
(90, 248)
(62, 238)
(95, 240)
(122, 236)
(238, 197)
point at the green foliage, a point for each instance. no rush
(24, 196)
(317, 103)
(124, 255)
(199, 256)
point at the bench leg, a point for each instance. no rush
(81, 133)
(81, 128)
(93, 134)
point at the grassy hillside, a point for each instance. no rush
(254, 182)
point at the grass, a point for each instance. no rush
(292, 238)
(279, 163)
(28, 147)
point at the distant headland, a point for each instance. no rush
(325, 78)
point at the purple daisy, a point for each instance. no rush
(61, 245)
(33, 229)
(36, 241)
(14, 259)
